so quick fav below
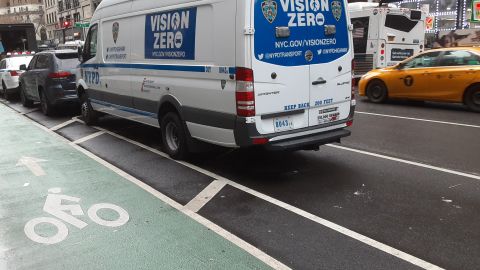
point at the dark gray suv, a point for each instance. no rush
(50, 80)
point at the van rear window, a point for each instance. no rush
(400, 23)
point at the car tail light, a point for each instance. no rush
(245, 95)
(259, 141)
(349, 123)
(59, 75)
(14, 73)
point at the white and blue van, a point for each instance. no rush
(234, 73)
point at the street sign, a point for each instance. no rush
(429, 20)
(82, 25)
(475, 11)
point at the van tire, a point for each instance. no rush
(377, 91)
(23, 97)
(472, 98)
(45, 105)
(89, 116)
(174, 136)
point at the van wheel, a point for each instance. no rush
(5, 92)
(472, 99)
(47, 108)
(174, 136)
(23, 97)
(377, 91)
(89, 116)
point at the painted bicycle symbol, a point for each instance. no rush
(53, 206)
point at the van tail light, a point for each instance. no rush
(353, 102)
(245, 95)
(260, 141)
(59, 75)
(14, 73)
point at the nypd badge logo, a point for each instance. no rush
(269, 10)
(115, 31)
(337, 10)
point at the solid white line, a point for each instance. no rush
(468, 175)
(252, 250)
(89, 137)
(364, 239)
(270, 261)
(62, 125)
(419, 119)
(205, 196)
(241, 243)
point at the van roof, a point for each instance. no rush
(144, 5)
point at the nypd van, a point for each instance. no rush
(235, 73)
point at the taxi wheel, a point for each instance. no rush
(377, 91)
(472, 99)
(174, 136)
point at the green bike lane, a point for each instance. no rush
(103, 222)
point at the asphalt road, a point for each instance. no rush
(401, 193)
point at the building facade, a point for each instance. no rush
(61, 16)
(24, 11)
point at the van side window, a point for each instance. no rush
(3, 64)
(91, 44)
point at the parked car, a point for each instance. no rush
(446, 75)
(50, 80)
(10, 72)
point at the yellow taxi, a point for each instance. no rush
(447, 75)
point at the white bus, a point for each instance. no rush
(385, 35)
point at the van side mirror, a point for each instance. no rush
(80, 54)
(23, 67)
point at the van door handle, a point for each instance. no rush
(319, 81)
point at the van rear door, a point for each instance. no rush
(301, 63)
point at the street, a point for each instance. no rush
(400, 193)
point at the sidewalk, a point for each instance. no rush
(114, 224)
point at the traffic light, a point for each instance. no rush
(67, 24)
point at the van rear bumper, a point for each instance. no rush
(246, 134)
(298, 143)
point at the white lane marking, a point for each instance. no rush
(89, 137)
(364, 239)
(252, 250)
(205, 196)
(32, 164)
(270, 261)
(62, 125)
(468, 175)
(359, 237)
(418, 119)
(29, 111)
(232, 238)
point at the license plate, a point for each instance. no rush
(328, 115)
(282, 123)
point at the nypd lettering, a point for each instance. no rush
(171, 34)
(91, 77)
(307, 42)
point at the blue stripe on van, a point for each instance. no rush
(231, 70)
(125, 109)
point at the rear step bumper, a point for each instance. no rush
(307, 142)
